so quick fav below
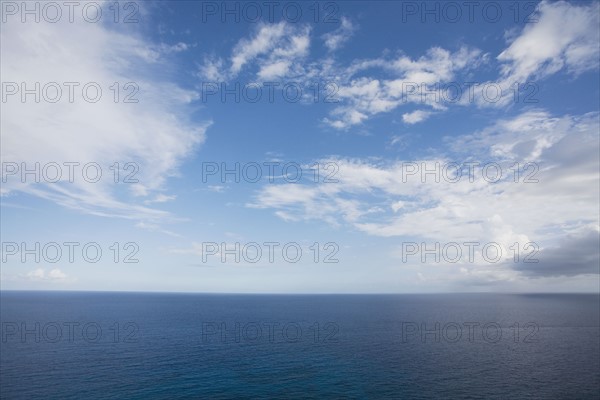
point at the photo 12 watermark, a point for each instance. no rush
(467, 92)
(268, 171)
(70, 252)
(70, 171)
(52, 12)
(471, 171)
(453, 12)
(269, 252)
(268, 332)
(327, 12)
(69, 331)
(69, 92)
(454, 252)
(270, 92)
(470, 332)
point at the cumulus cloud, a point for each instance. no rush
(563, 37)
(386, 199)
(401, 81)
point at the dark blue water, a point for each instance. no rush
(158, 346)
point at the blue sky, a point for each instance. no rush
(398, 88)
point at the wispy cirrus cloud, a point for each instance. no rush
(274, 50)
(154, 132)
(337, 38)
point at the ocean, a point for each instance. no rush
(101, 345)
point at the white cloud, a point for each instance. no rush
(161, 198)
(276, 50)
(400, 141)
(156, 228)
(565, 35)
(566, 150)
(212, 69)
(415, 116)
(437, 65)
(336, 39)
(174, 48)
(265, 39)
(274, 70)
(217, 188)
(155, 133)
(364, 97)
(524, 137)
(54, 275)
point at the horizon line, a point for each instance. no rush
(281, 294)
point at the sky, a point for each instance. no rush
(300, 147)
